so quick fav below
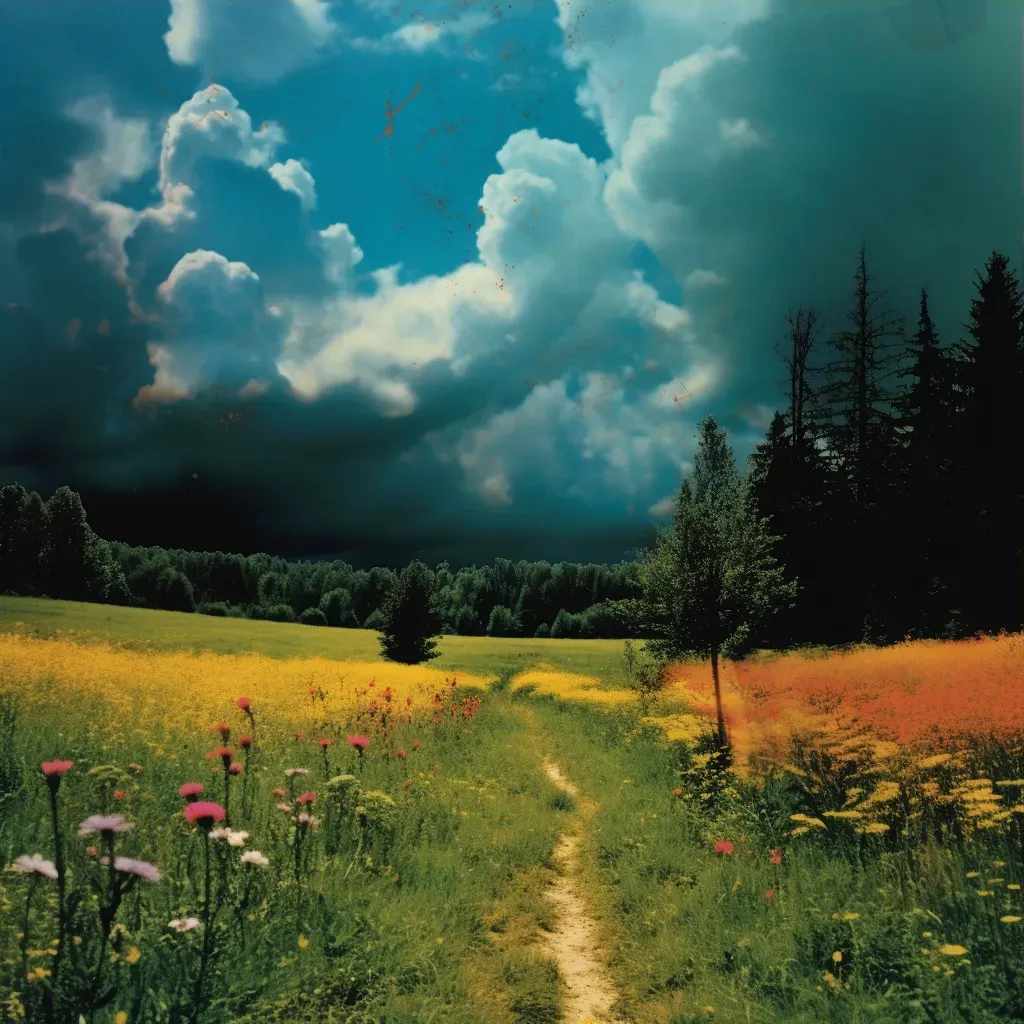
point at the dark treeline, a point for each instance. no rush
(895, 475)
(48, 549)
(894, 478)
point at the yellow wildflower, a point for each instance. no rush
(121, 1017)
(303, 942)
(951, 950)
(1010, 919)
(133, 955)
(837, 957)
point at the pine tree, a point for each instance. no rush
(858, 423)
(712, 578)
(926, 410)
(411, 622)
(990, 467)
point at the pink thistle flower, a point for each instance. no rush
(325, 742)
(120, 794)
(190, 790)
(54, 770)
(285, 807)
(235, 768)
(776, 857)
(204, 813)
(35, 864)
(139, 868)
(387, 693)
(677, 792)
(358, 743)
(243, 703)
(289, 772)
(416, 745)
(278, 792)
(306, 798)
(245, 742)
(724, 846)
(91, 851)
(223, 728)
(105, 824)
(224, 753)
(437, 719)
(400, 754)
(769, 894)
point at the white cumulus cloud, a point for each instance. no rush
(294, 177)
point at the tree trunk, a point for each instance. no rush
(722, 738)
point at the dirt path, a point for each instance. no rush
(574, 943)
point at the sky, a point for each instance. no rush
(458, 280)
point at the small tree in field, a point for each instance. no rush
(411, 623)
(646, 676)
(712, 576)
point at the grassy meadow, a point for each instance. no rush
(859, 860)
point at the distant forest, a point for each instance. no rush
(893, 477)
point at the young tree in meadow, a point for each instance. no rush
(411, 622)
(712, 577)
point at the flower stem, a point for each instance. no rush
(58, 850)
(25, 929)
(197, 994)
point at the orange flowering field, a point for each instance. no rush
(923, 694)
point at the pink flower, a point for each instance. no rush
(724, 846)
(235, 768)
(416, 745)
(91, 851)
(58, 768)
(35, 864)
(245, 742)
(776, 857)
(325, 742)
(306, 798)
(139, 868)
(769, 894)
(289, 772)
(223, 728)
(190, 790)
(204, 813)
(278, 792)
(106, 824)
(120, 794)
(400, 754)
(224, 753)
(243, 703)
(677, 792)
(359, 743)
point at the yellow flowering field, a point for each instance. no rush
(571, 686)
(183, 690)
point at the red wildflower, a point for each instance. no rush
(245, 742)
(224, 753)
(677, 792)
(204, 813)
(91, 851)
(408, 700)
(437, 719)
(387, 693)
(235, 768)
(223, 729)
(298, 737)
(278, 792)
(359, 743)
(372, 683)
(243, 703)
(400, 754)
(190, 790)
(769, 894)
(51, 768)
(776, 856)
(724, 846)
(325, 742)
(306, 798)
(119, 794)
(416, 745)
(312, 691)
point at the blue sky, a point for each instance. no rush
(243, 306)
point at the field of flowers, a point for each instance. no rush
(234, 838)
(202, 838)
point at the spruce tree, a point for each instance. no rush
(858, 421)
(712, 578)
(410, 621)
(990, 468)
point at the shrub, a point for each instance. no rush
(375, 620)
(313, 617)
(543, 631)
(279, 613)
(218, 608)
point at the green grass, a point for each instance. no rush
(159, 630)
